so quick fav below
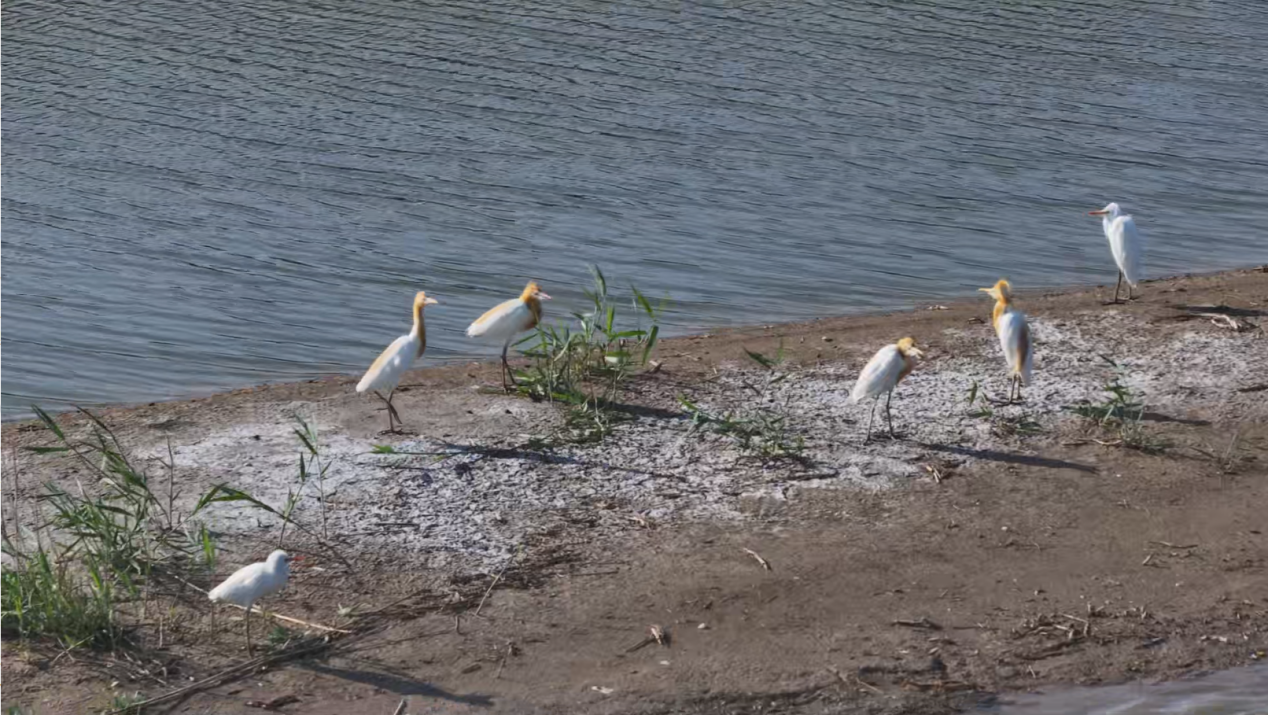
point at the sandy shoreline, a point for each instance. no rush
(991, 523)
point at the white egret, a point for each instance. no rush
(882, 374)
(1014, 336)
(391, 364)
(508, 319)
(251, 583)
(1126, 245)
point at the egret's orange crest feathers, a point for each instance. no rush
(530, 291)
(1002, 290)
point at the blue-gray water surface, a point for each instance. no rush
(203, 195)
(1238, 691)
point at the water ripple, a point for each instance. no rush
(202, 195)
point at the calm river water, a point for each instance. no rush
(202, 195)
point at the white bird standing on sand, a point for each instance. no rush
(391, 364)
(1014, 336)
(882, 374)
(251, 583)
(508, 319)
(1126, 245)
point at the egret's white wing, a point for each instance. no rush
(390, 365)
(237, 587)
(502, 321)
(880, 374)
(1127, 247)
(1014, 338)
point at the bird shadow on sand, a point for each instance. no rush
(397, 683)
(545, 456)
(993, 455)
(1159, 417)
(1200, 310)
(645, 411)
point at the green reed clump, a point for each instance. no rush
(99, 548)
(761, 431)
(586, 365)
(1120, 413)
(42, 598)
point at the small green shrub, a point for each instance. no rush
(977, 395)
(586, 365)
(761, 432)
(99, 549)
(1121, 413)
(41, 598)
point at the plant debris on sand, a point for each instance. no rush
(1108, 527)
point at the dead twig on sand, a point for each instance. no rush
(272, 703)
(857, 680)
(288, 619)
(397, 602)
(765, 564)
(1227, 321)
(400, 708)
(1170, 545)
(924, 623)
(493, 583)
(641, 644)
(510, 651)
(659, 634)
(224, 676)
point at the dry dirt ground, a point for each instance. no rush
(990, 549)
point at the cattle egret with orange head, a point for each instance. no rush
(508, 319)
(1014, 336)
(392, 363)
(882, 374)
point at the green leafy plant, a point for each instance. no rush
(313, 467)
(280, 637)
(761, 432)
(129, 704)
(96, 548)
(976, 395)
(584, 366)
(1014, 426)
(42, 597)
(1120, 413)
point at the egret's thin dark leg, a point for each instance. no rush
(506, 369)
(391, 411)
(250, 648)
(871, 417)
(1120, 285)
(889, 419)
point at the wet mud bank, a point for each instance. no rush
(989, 548)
